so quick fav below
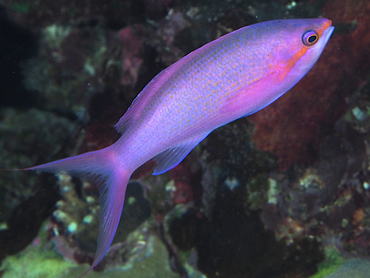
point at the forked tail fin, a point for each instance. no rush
(100, 167)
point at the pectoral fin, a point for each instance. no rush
(173, 156)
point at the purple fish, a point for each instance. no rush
(231, 77)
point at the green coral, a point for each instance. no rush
(151, 265)
(333, 261)
(35, 262)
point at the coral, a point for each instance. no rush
(27, 138)
(228, 155)
(224, 225)
(161, 37)
(329, 201)
(76, 219)
(333, 261)
(66, 71)
(355, 268)
(35, 261)
(184, 184)
(132, 47)
(144, 255)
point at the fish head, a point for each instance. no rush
(299, 44)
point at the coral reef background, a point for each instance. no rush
(282, 193)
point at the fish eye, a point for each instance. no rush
(309, 38)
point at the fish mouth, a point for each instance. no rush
(327, 30)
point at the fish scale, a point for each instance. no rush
(231, 77)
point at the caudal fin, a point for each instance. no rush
(100, 167)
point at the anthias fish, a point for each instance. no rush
(231, 77)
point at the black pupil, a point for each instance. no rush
(312, 38)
